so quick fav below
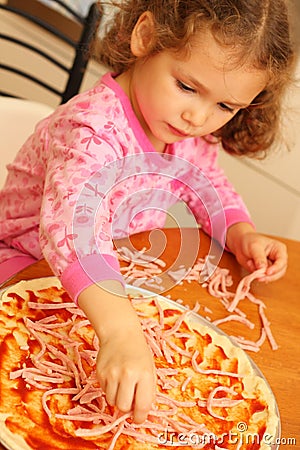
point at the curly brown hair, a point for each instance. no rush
(257, 31)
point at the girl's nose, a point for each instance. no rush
(197, 117)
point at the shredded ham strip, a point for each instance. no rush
(212, 371)
(244, 287)
(235, 317)
(221, 402)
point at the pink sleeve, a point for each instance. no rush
(75, 226)
(218, 205)
(89, 270)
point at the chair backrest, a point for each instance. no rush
(79, 48)
(17, 121)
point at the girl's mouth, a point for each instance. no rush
(177, 132)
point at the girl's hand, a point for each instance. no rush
(125, 366)
(126, 373)
(254, 251)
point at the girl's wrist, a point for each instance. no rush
(235, 233)
(108, 310)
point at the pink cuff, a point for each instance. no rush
(13, 265)
(90, 270)
(232, 216)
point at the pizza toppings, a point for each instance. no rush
(205, 385)
(217, 281)
(222, 403)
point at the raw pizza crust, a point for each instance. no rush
(252, 381)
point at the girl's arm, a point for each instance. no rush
(125, 366)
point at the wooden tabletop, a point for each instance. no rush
(280, 367)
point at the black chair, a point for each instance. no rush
(79, 47)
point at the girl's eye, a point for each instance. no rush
(226, 108)
(184, 87)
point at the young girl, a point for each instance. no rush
(186, 75)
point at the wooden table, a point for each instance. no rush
(282, 298)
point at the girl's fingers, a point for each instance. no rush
(125, 395)
(258, 256)
(128, 391)
(143, 400)
(111, 390)
(274, 274)
(277, 263)
(250, 265)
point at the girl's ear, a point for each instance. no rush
(143, 35)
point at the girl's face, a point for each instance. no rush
(175, 99)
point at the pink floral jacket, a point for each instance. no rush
(89, 175)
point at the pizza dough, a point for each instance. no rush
(209, 394)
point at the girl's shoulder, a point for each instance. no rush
(98, 111)
(92, 121)
(96, 105)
